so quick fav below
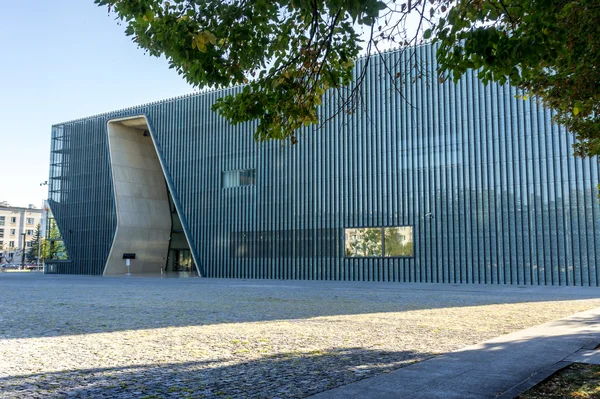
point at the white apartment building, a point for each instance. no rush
(17, 230)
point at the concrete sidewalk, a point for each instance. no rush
(497, 367)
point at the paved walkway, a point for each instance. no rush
(588, 356)
(486, 370)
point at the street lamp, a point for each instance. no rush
(23, 250)
(43, 227)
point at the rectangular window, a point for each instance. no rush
(29, 244)
(29, 220)
(398, 241)
(13, 232)
(379, 242)
(301, 243)
(2, 220)
(363, 242)
(29, 232)
(1, 233)
(11, 244)
(238, 178)
(13, 219)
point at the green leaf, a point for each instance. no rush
(550, 52)
(148, 16)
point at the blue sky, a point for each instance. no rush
(62, 60)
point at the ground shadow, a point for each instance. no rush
(477, 372)
(36, 305)
(288, 375)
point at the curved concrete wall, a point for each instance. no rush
(141, 199)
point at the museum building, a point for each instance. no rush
(422, 182)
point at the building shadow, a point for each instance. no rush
(286, 375)
(45, 306)
(489, 367)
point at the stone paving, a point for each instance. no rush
(88, 337)
(585, 356)
(499, 368)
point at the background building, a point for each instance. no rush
(17, 230)
(425, 182)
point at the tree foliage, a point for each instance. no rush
(51, 247)
(39, 245)
(287, 53)
(549, 48)
(7, 252)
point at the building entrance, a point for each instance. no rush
(135, 162)
(182, 260)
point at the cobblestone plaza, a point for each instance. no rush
(90, 337)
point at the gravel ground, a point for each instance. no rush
(72, 337)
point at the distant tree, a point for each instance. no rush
(3, 254)
(54, 247)
(38, 240)
(8, 252)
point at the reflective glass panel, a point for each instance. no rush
(231, 178)
(363, 242)
(247, 177)
(237, 178)
(398, 241)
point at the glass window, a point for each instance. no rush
(29, 232)
(11, 244)
(13, 232)
(247, 177)
(237, 178)
(378, 242)
(398, 241)
(2, 220)
(1, 233)
(29, 244)
(363, 242)
(13, 219)
(29, 220)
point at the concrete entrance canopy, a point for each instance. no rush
(141, 198)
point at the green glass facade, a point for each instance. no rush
(462, 183)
